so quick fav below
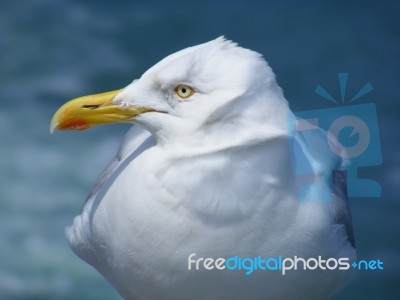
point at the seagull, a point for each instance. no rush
(206, 171)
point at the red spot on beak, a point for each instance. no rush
(75, 124)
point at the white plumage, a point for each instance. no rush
(210, 175)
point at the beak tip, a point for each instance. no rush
(53, 126)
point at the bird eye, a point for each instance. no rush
(183, 91)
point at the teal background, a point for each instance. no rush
(52, 51)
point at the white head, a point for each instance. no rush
(191, 96)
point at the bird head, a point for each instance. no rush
(186, 94)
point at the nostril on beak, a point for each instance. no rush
(93, 106)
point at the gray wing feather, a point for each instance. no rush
(316, 145)
(341, 209)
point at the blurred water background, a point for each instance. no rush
(52, 51)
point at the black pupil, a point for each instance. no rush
(184, 90)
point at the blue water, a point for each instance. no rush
(51, 51)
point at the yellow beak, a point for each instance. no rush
(89, 111)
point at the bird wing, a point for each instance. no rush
(318, 150)
(340, 205)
